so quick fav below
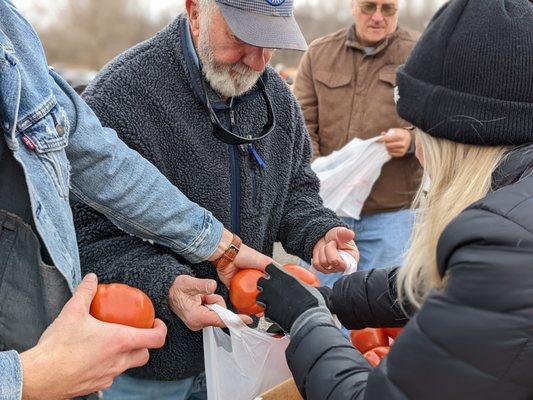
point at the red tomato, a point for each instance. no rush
(392, 332)
(368, 339)
(375, 356)
(243, 287)
(122, 304)
(243, 291)
(303, 274)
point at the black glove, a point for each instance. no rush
(327, 294)
(285, 298)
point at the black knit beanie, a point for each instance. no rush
(470, 77)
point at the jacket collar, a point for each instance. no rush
(353, 42)
(515, 165)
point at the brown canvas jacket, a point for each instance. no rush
(346, 94)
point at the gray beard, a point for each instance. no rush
(220, 77)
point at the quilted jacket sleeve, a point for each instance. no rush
(470, 340)
(368, 299)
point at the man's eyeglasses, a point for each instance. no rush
(230, 137)
(388, 10)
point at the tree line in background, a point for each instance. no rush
(88, 33)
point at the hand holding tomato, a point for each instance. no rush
(78, 354)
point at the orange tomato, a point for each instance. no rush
(122, 304)
(243, 291)
(375, 356)
(303, 274)
(392, 332)
(243, 287)
(368, 339)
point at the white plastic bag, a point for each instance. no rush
(245, 364)
(347, 175)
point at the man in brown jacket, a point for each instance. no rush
(346, 89)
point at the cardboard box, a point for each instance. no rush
(284, 391)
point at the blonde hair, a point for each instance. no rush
(460, 175)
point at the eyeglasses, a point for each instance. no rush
(230, 137)
(388, 10)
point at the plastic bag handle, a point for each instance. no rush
(231, 319)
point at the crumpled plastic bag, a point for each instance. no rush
(347, 175)
(244, 364)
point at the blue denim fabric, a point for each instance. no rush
(11, 376)
(382, 240)
(64, 150)
(128, 388)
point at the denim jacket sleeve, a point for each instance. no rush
(115, 180)
(10, 376)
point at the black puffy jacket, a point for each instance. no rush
(471, 340)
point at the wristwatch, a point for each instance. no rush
(229, 255)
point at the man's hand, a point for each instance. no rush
(397, 141)
(246, 258)
(326, 257)
(79, 355)
(187, 298)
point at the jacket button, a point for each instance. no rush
(60, 130)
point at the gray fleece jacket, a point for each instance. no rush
(150, 95)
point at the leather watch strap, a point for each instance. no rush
(229, 255)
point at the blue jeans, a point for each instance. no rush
(128, 388)
(382, 239)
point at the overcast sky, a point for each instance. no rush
(155, 5)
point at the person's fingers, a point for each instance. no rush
(136, 358)
(344, 235)
(202, 317)
(382, 137)
(246, 319)
(323, 259)
(137, 338)
(315, 262)
(319, 268)
(214, 299)
(84, 294)
(395, 146)
(193, 286)
(398, 153)
(335, 262)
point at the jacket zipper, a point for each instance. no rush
(235, 182)
(259, 164)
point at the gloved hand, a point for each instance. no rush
(285, 298)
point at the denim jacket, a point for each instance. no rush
(64, 150)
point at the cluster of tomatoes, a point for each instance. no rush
(122, 304)
(374, 343)
(126, 305)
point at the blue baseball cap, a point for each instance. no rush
(264, 23)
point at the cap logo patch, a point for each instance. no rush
(275, 2)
